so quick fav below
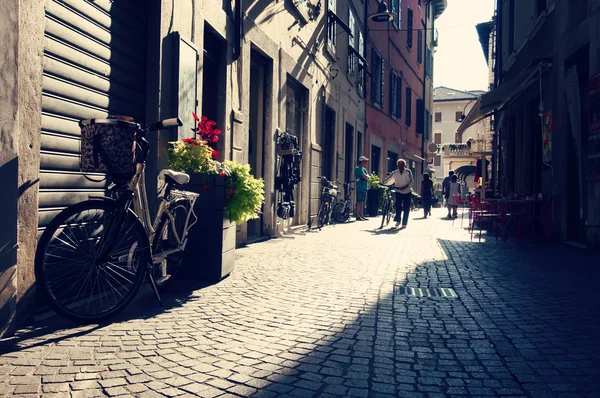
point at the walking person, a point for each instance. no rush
(426, 194)
(453, 189)
(445, 186)
(362, 185)
(403, 179)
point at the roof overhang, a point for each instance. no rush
(340, 22)
(483, 31)
(502, 95)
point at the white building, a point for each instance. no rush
(456, 151)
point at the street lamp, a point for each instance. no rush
(382, 14)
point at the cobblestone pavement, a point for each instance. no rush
(323, 315)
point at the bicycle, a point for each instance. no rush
(387, 206)
(93, 257)
(328, 195)
(341, 211)
(416, 202)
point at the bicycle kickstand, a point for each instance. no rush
(153, 283)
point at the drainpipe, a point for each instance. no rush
(425, 101)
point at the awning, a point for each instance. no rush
(413, 157)
(501, 96)
(340, 22)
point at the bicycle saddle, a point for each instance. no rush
(179, 178)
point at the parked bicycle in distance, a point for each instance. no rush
(329, 194)
(387, 205)
(341, 211)
(93, 257)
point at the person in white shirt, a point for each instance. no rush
(403, 180)
(453, 189)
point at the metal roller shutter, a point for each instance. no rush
(94, 65)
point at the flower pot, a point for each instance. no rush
(210, 251)
(373, 196)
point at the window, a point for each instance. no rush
(331, 25)
(438, 117)
(429, 64)
(420, 46)
(408, 117)
(409, 29)
(395, 95)
(437, 161)
(377, 71)
(352, 45)
(437, 138)
(375, 160)
(392, 161)
(459, 116)
(420, 3)
(361, 74)
(396, 10)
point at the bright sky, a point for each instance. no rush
(459, 61)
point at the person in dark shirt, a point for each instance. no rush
(426, 194)
(446, 188)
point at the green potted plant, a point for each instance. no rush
(229, 194)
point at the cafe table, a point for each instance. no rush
(516, 207)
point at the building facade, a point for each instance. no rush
(543, 105)
(457, 150)
(257, 68)
(399, 99)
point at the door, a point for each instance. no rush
(295, 125)
(328, 144)
(256, 131)
(94, 66)
(349, 154)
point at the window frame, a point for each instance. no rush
(458, 116)
(395, 8)
(419, 46)
(408, 111)
(437, 161)
(331, 26)
(435, 138)
(435, 117)
(377, 74)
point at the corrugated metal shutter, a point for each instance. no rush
(94, 65)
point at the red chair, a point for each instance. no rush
(458, 200)
(544, 221)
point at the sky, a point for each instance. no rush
(459, 62)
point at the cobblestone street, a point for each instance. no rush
(328, 314)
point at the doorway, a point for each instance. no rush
(349, 155)
(213, 80)
(328, 143)
(256, 133)
(295, 109)
(375, 159)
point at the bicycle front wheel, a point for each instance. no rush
(385, 212)
(91, 260)
(341, 213)
(165, 271)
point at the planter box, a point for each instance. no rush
(373, 196)
(210, 251)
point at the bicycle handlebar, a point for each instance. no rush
(165, 123)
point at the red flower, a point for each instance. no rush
(214, 139)
(204, 119)
(196, 118)
(230, 192)
(215, 153)
(205, 186)
(222, 174)
(217, 132)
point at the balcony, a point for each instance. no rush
(456, 150)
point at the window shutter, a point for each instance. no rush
(393, 94)
(352, 25)
(382, 81)
(399, 98)
(420, 116)
(361, 44)
(408, 118)
(420, 45)
(409, 28)
(374, 73)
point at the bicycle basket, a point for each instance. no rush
(107, 146)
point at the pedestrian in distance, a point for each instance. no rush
(426, 194)
(362, 185)
(453, 189)
(445, 186)
(403, 180)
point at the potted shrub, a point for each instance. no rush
(229, 194)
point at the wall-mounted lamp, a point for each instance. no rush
(383, 14)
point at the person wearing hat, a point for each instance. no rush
(362, 185)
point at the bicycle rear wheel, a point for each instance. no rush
(84, 279)
(341, 212)
(165, 272)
